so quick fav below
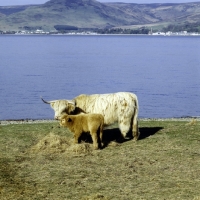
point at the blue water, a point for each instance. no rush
(164, 72)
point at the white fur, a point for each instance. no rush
(121, 107)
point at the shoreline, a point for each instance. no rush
(104, 34)
(26, 121)
(35, 121)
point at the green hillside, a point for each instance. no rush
(93, 14)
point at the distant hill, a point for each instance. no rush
(93, 14)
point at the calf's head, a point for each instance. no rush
(61, 107)
(65, 120)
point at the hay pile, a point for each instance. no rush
(192, 122)
(59, 144)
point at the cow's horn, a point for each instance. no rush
(71, 102)
(45, 101)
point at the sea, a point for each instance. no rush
(163, 71)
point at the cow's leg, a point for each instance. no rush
(135, 130)
(101, 135)
(124, 126)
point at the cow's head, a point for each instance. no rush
(61, 107)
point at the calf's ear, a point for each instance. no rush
(69, 119)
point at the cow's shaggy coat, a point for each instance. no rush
(121, 107)
(92, 123)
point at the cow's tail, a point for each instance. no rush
(135, 128)
(101, 132)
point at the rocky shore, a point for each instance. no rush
(32, 121)
(26, 121)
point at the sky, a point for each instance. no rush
(26, 2)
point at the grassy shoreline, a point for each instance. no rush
(39, 161)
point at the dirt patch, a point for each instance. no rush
(95, 197)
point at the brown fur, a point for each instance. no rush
(84, 123)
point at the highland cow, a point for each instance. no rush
(121, 107)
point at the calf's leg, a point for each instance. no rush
(95, 140)
(76, 137)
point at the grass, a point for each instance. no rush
(40, 161)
